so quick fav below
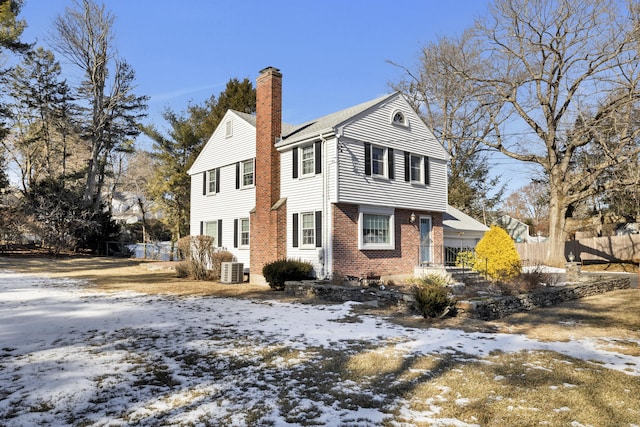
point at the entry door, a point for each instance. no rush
(425, 240)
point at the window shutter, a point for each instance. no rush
(204, 183)
(295, 162)
(235, 233)
(217, 180)
(219, 233)
(295, 230)
(237, 175)
(407, 167)
(427, 174)
(318, 153)
(392, 174)
(318, 229)
(367, 158)
(201, 228)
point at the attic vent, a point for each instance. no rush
(229, 129)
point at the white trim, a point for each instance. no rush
(403, 123)
(228, 130)
(303, 245)
(313, 160)
(240, 244)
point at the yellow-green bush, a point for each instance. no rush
(496, 255)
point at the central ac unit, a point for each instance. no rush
(232, 272)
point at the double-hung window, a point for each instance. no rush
(244, 232)
(378, 161)
(308, 160)
(308, 229)
(247, 173)
(245, 176)
(211, 183)
(212, 229)
(376, 228)
(416, 168)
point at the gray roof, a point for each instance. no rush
(457, 220)
(292, 133)
(328, 122)
(251, 119)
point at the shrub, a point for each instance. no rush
(534, 278)
(465, 259)
(198, 253)
(278, 272)
(432, 298)
(496, 255)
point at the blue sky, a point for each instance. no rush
(332, 53)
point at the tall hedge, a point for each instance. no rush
(496, 255)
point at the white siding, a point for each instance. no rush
(376, 128)
(230, 203)
(304, 194)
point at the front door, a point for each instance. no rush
(425, 240)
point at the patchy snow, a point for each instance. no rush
(69, 355)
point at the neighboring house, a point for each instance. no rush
(518, 230)
(126, 209)
(461, 233)
(359, 192)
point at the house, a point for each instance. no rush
(359, 192)
(461, 233)
(518, 230)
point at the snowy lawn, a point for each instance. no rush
(72, 356)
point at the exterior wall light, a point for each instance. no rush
(412, 218)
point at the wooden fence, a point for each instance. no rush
(591, 249)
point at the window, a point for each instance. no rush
(308, 229)
(376, 228)
(244, 174)
(398, 118)
(228, 129)
(416, 168)
(211, 182)
(212, 229)
(308, 160)
(244, 232)
(378, 161)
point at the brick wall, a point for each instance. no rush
(348, 260)
(266, 244)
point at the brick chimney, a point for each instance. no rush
(268, 221)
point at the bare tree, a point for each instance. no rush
(530, 203)
(460, 113)
(84, 35)
(555, 64)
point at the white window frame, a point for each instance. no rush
(242, 233)
(420, 178)
(311, 231)
(211, 179)
(228, 128)
(309, 160)
(376, 210)
(214, 234)
(384, 162)
(243, 174)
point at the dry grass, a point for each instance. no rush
(118, 274)
(502, 389)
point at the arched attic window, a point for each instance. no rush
(398, 118)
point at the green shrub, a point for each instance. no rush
(278, 272)
(496, 255)
(465, 259)
(429, 279)
(432, 298)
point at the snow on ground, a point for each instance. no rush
(72, 356)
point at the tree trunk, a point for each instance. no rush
(557, 233)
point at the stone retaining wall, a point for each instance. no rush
(498, 307)
(483, 309)
(375, 295)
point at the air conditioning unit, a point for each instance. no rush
(232, 272)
